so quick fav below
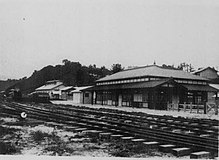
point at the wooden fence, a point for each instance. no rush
(208, 108)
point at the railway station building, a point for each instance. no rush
(152, 87)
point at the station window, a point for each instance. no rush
(184, 81)
(189, 82)
(190, 97)
(145, 97)
(86, 95)
(195, 82)
(137, 97)
(199, 82)
(178, 81)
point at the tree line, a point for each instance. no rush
(70, 73)
(76, 74)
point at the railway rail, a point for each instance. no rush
(179, 131)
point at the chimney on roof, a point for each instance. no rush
(154, 63)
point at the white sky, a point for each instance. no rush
(37, 33)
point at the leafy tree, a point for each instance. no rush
(168, 66)
(186, 67)
(116, 68)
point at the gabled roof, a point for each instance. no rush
(215, 81)
(154, 71)
(79, 89)
(203, 69)
(215, 86)
(67, 88)
(50, 86)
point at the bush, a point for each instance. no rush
(38, 136)
(7, 148)
(4, 131)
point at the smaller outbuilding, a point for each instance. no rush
(66, 92)
(208, 72)
(215, 97)
(79, 95)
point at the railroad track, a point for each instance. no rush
(137, 125)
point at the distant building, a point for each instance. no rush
(79, 95)
(211, 74)
(207, 72)
(214, 96)
(53, 88)
(152, 87)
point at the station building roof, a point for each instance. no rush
(152, 71)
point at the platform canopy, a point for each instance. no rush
(206, 88)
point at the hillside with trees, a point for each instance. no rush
(71, 73)
(6, 84)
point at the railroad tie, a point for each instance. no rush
(151, 145)
(115, 130)
(153, 126)
(165, 128)
(138, 141)
(209, 131)
(179, 152)
(126, 139)
(70, 128)
(163, 124)
(189, 132)
(205, 135)
(166, 147)
(215, 127)
(116, 136)
(173, 126)
(186, 123)
(177, 122)
(163, 120)
(105, 136)
(176, 131)
(194, 124)
(93, 133)
(205, 125)
(80, 129)
(128, 121)
(170, 120)
(82, 124)
(200, 155)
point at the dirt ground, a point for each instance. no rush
(31, 137)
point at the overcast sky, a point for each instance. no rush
(37, 33)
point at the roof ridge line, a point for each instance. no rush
(139, 67)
